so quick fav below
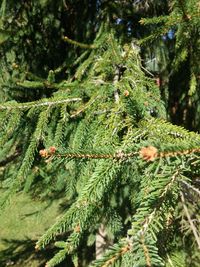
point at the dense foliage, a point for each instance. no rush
(87, 88)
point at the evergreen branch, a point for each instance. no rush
(134, 173)
(9, 159)
(185, 16)
(170, 261)
(149, 218)
(178, 153)
(115, 81)
(29, 155)
(85, 156)
(81, 71)
(89, 103)
(118, 155)
(85, 209)
(40, 103)
(68, 247)
(169, 20)
(194, 230)
(165, 191)
(58, 258)
(122, 251)
(112, 254)
(31, 150)
(61, 125)
(79, 59)
(100, 112)
(37, 85)
(86, 46)
(146, 70)
(149, 153)
(196, 190)
(155, 20)
(146, 252)
(65, 223)
(156, 127)
(11, 126)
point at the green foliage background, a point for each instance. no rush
(96, 81)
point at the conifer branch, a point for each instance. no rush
(186, 17)
(112, 255)
(179, 153)
(107, 261)
(146, 252)
(31, 150)
(126, 162)
(194, 230)
(89, 103)
(196, 190)
(37, 103)
(147, 153)
(37, 85)
(147, 221)
(86, 46)
(169, 20)
(115, 81)
(119, 155)
(85, 209)
(12, 125)
(170, 261)
(9, 159)
(122, 251)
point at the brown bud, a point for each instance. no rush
(126, 93)
(77, 229)
(149, 153)
(43, 153)
(188, 17)
(15, 65)
(158, 81)
(37, 247)
(52, 149)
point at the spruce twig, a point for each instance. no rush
(194, 230)
(37, 104)
(86, 46)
